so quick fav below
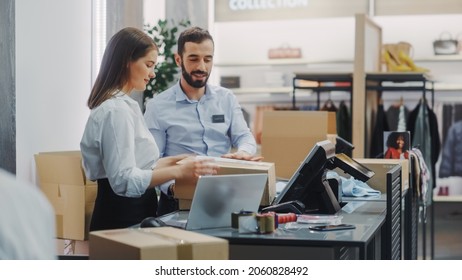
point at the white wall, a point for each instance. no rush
(327, 45)
(324, 39)
(53, 77)
(153, 10)
(420, 31)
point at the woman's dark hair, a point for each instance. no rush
(194, 34)
(127, 45)
(393, 137)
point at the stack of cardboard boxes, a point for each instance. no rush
(288, 137)
(71, 194)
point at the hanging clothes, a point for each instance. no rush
(451, 158)
(448, 120)
(343, 122)
(423, 125)
(381, 125)
(452, 113)
(422, 176)
(402, 119)
(397, 116)
(329, 106)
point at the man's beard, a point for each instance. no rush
(189, 79)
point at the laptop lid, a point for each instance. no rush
(217, 196)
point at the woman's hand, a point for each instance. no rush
(171, 160)
(193, 167)
(182, 167)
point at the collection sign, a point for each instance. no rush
(254, 10)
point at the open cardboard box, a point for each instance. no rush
(72, 195)
(288, 137)
(184, 189)
(163, 243)
(381, 166)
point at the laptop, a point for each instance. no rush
(216, 197)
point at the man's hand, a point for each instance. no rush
(242, 156)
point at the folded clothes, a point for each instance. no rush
(352, 187)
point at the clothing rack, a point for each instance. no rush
(405, 81)
(408, 81)
(322, 82)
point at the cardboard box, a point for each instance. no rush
(72, 195)
(162, 243)
(381, 166)
(72, 247)
(184, 189)
(288, 137)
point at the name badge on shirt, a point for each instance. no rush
(218, 118)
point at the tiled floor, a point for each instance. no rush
(448, 233)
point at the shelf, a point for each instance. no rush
(322, 82)
(398, 76)
(325, 77)
(447, 87)
(447, 198)
(441, 58)
(297, 61)
(252, 90)
(275, 62)
(286, 90)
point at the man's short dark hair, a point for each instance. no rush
(193, 34)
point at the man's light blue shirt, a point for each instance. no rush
(209, 126)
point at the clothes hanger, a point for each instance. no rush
(398, 103)
(329, 104)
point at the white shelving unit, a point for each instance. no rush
(283, 65)
(448, 198)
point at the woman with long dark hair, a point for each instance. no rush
(117, 148)
(398, 145)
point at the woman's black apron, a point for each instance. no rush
(113, 211)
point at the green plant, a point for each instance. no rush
(164, 35)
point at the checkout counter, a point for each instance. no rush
(299, 242)
(377, 221)
(377, 232)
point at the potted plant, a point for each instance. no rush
(164, 35)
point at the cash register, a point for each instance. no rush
(309, 191)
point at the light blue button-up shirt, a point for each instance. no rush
(209, 126)
(117, 145)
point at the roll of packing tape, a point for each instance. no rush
(236, 215)
(248, 224)
(266, 223)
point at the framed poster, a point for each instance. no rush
(396, 144)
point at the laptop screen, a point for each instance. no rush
(216, 197)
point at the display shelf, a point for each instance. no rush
(262, 90)
(296, 61)
(322, 82)
(402, 81)
(439, 86)
(275, 62)
(447, 198)
(440, 58)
